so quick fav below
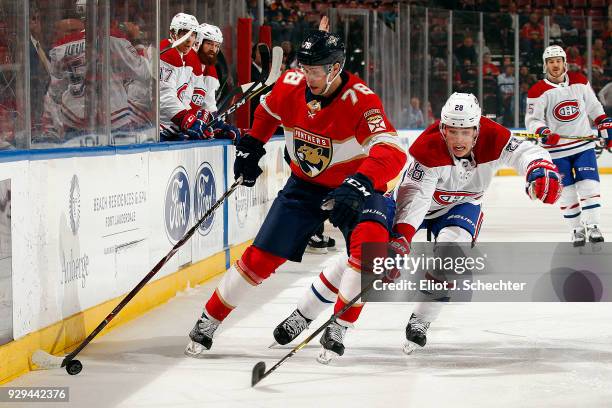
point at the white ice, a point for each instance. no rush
(478, 355)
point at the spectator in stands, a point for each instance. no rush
(598, 50)
(505, 83)
(289, 56)
(531, 33)
(605, 97)
(575, 61)
(525, 77)
(467, 51)
(413, 116)
(466, 77)
(488, 68)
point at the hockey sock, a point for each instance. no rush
(570, 206)
(249, 271)
(324, 290)
(589, 191)
(350, 285)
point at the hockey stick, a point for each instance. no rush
(45, 360)
(259, 370)
(257, 88)
(177, 42)
(264, 52)
(527, 135)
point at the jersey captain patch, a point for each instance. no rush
(566, 111)
(313, 152)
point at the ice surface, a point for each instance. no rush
(478, 355)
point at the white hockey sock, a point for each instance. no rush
(235, 286)
(324, 290)
(590, 199)
(570, 206)
(428, 311)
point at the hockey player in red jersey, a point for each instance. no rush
(343, 152)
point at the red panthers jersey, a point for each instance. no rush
(334, 137)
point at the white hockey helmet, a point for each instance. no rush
(183, 21)
(551, 52)
(208, 32)
(461, 110)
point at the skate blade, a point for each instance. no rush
(326, 356)
(409, 347)
(195, 350)
(319, 251)
(273, 345)
(579, 244)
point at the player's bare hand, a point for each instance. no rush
(324, 24)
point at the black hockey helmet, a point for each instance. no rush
(321, 48)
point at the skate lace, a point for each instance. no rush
(295, 324)
(419, 325)
(336, 332)
(206, 327)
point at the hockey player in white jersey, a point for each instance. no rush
(561, 105)
(451, 166)
(208, 43)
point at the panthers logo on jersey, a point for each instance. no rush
(313, 152)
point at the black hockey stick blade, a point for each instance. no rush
(259, 371)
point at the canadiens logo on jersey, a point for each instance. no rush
(313, 152)
(566, 111)
(375, 120)
(451, 197)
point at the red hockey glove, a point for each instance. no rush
(397, 246)
(547, 136)
(543, 181)
(604, 128)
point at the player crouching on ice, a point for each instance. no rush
(343, 152)
(452, 163)
(560, 105)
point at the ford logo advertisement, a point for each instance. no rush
(204, 196)
(178, 204)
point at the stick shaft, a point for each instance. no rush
(150, 275)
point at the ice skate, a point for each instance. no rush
(331, 340)
(593, 234)
(320, 244)
(579, 237)
(416, 334)
(290, 328)
(201, 337)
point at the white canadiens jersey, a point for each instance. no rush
(565, 108)
(181, 87)
(68, 79)
(211, 86)
(435, 181)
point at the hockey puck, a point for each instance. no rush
(73, 367)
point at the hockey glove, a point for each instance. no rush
(547, 136)
(349, 199)
(223, 130)
(398, 246)
(604, 128)
(248, 152)
(543, 181)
